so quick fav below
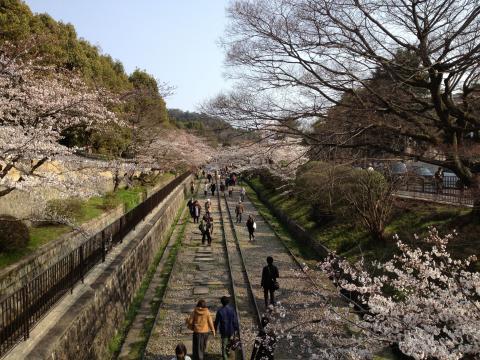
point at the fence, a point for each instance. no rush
(450, 190)
(20, 311)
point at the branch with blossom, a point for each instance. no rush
(422, 299)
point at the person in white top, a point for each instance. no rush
(181, 352)
(242, 194)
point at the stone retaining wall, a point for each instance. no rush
(16, 275)
(102, 310)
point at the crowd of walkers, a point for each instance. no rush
(226, 324)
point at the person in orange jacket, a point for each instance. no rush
(201, 323)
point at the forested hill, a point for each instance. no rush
(58, 44)
(48, 42)
(215, 129)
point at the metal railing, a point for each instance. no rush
(449, 190)
(20, 311)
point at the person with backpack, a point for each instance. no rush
(251, 227)
(265, 342)
(201, 323)
(226, 323)
(204, 228)
(181, 352)
(209, 222)
(239, 209)
(269, 281)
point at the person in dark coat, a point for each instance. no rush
(191, 207)
(212, 188)
(226, 323)
(197, 210)
(265, 342)
(269, 279)
(251, 227)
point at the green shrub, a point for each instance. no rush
(14, 233)
(347, 193)
(64, 208)
(110, 201)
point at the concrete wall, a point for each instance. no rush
(102, 310)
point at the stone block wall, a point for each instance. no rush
(102, 310)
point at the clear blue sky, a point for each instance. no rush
(175, 40)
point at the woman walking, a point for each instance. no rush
(200, 321)
(251, 227)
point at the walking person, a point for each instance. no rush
(239, 209)
(200, 321)
(181, 352)
(192, 187)
(209, 226)
(265, 342)
(208, 205)
(243, 192)
(206, 189)
(226, 323)
(191, 208)
(439, 180)
(251, 227)
(205, 230)
(230, 191)
(197, 211)
(269, 281)
(212, 188)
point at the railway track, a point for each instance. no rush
(205, 272)
(245, 303)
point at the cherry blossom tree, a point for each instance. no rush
(36, 104)
(422, 299)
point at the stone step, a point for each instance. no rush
(200, 290)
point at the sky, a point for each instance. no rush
(174, 40)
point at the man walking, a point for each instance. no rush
(212, 188)
(243, 192)
(226, 323)
(197, 209)
(269, 281)
(239, 209)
